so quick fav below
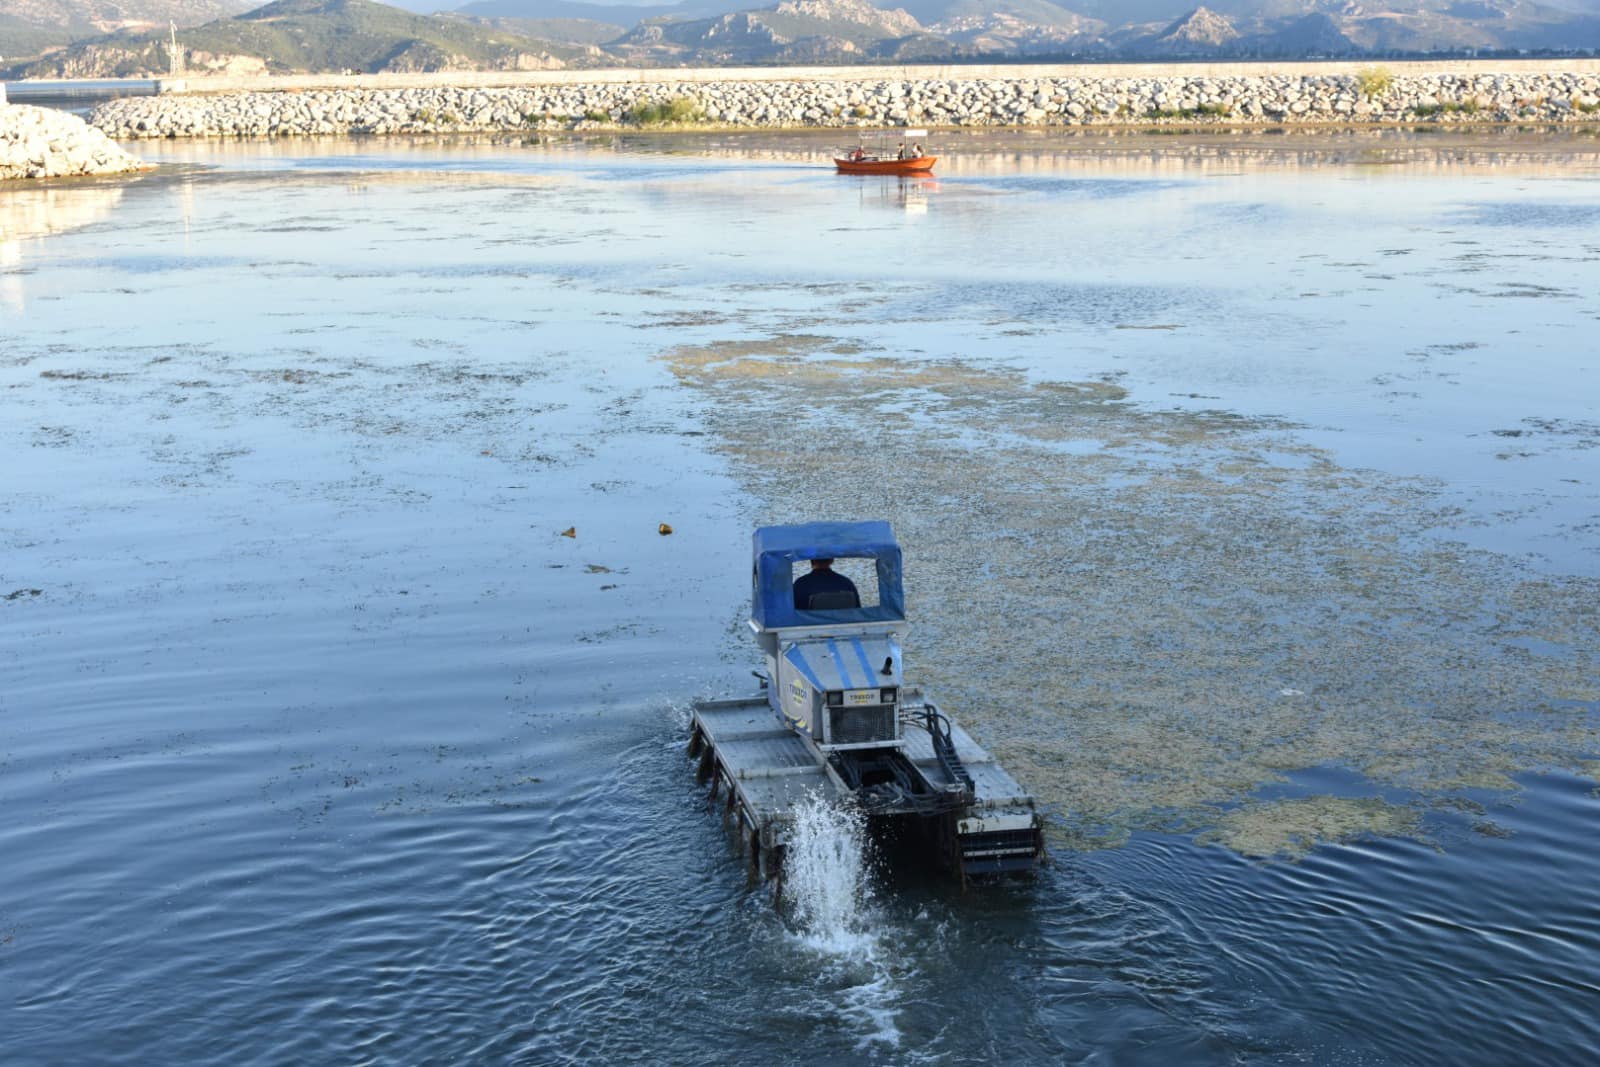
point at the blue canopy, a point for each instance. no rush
(779, 548)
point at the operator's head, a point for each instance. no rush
(821, 564)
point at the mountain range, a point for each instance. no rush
(110, 38)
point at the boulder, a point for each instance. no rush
(37, 142)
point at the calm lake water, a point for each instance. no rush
(1251, 499)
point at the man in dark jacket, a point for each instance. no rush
(823, 580)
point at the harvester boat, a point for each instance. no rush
(835, 716)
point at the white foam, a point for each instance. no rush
(874, 1004)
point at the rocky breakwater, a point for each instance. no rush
(1369, 96)
(37, 142)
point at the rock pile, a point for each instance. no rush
(36, 142)
(1370, 97)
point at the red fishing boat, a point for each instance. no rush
(901, 160)
(874, 165)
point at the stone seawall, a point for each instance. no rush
(1369, 96)
(38, 142)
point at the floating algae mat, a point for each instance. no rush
(1156, 618)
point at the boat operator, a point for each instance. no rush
(822, 579)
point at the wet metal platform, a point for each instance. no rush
(767, 770)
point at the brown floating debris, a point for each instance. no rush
(570, 531)
(663, 529)
(1369, 694)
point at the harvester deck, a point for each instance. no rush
(768, 770)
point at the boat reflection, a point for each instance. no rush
(907, 193)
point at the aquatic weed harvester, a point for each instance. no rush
(835, 717)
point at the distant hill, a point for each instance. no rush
(1452, 25)
(22, 38)
(1201, 32)
(103, 38)
(311, 36)
(1345, 28)
(33, 27)
(1037, 12)
(1312, 35)
(557, 30)
(1008, 27)
(107, 16)
(629, 15)
(1291, 28)
(792, 31)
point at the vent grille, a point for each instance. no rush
(856, 726)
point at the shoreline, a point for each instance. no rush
(1368, 96)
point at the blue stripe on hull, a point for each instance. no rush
(796, 657)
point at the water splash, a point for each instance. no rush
(825, 877)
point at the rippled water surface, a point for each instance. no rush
(1249, 492)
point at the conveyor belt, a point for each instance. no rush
(994, 788)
